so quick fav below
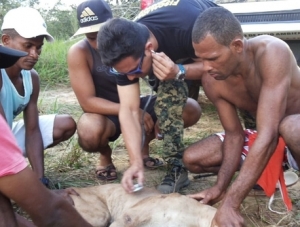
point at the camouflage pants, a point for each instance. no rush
(171, 98)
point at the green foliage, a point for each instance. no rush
(61, 21)
(52, 64)
(61, 25)
(6, 5)
(51, 109)
(75, 158)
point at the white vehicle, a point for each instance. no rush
(276, 18)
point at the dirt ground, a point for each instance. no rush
(67, 165)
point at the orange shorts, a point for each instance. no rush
(288, 159)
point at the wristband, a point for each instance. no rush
(181, 73)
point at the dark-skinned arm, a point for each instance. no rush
(7, 217)
(83, 85)
(165, 69)
(276, 78)
(43, 206)
(232, 145)
(132, 133)
(1, 108)
(33, 138)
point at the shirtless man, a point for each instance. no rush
(259, 75)
(24, 29)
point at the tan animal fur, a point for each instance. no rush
(109, 205)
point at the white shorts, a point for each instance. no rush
(291, 160)
(46, 123)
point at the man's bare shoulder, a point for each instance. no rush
(78, 47)
(265, 38)
(272, 57)
(35, 79)
(268, 45)
(79, 54)
(34, 75)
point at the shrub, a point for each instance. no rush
(52, 65)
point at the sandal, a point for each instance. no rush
(109, 173)
(155, 163)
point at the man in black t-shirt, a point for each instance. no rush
(164, 27)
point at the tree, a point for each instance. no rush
(6, 5)
(61, 21)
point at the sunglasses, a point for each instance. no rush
(138, 69)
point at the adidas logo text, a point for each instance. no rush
(88, 19)
(87, 15)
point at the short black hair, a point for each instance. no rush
(218, 22)
(10, 32)
(119, 38)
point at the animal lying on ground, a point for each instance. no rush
(109, 205)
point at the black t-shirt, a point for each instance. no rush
(104, 82)
(171, 22)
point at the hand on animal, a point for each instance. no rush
(135, 171)
(209, 196)
(228, 216)
(66, 194)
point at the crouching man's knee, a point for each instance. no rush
(290, 127)
(190, 161)
(187, 159)
(191, 113)
(64, 128)
(92, 132)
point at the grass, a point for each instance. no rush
(52, 65)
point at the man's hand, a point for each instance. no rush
(133, 172)
(147, 122)
(65, 193)
(163, 67)
(228, 216)
(209, 196)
